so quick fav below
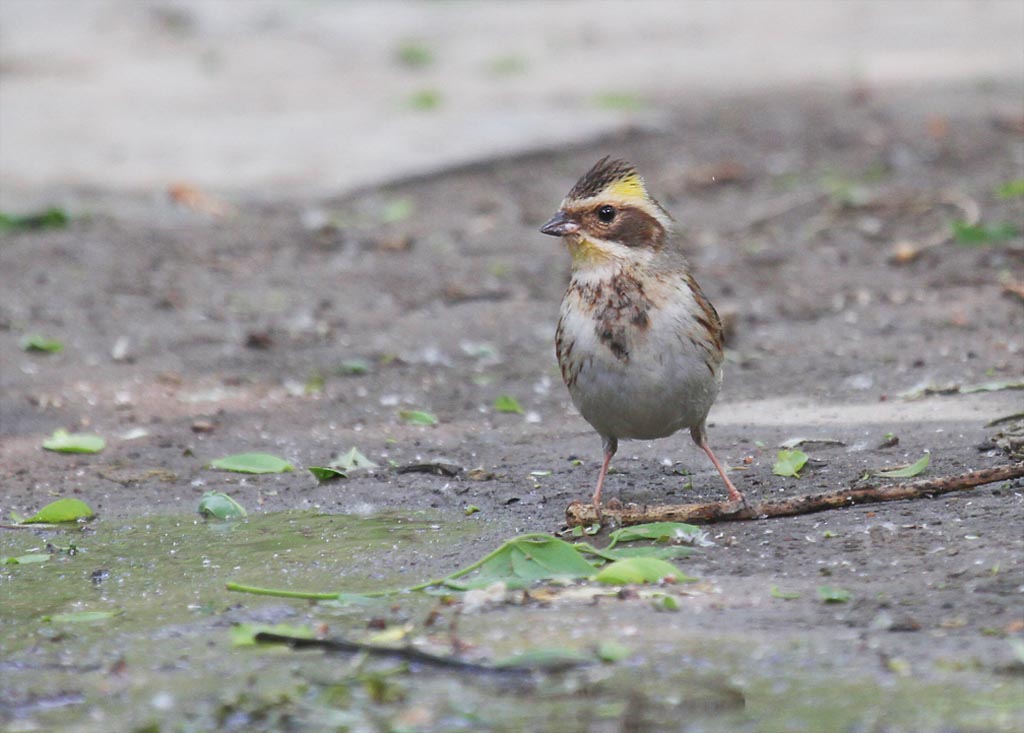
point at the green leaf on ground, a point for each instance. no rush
(77, 617)
(507, 65)
(414, 55)
(657, 531)
(425, 99)
(612, 651)
(622, 101)
(666, 603)
(418, 417)
(522, 561)
(64, 442)
(907, 471)
(353, 367)
(506, 403)
(326, 473)
(30, 559)
(314, 382)
(245, 634)
(396, 210)
(663, 552)
(38, 342)
(972, 234)
(640, 570)
(352, 461)
(252, 463)
(218, 505)
(832, 594)
(1011, 189)
(52, 218)
(62, 510)
(784, 595)
(789, 463)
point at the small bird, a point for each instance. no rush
(639, 345)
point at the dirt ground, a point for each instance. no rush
(190, 336)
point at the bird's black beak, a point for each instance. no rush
(560, 225)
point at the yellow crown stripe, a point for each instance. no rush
(630, 187)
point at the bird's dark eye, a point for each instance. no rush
(606, 213)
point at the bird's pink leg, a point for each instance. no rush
(600, 480)
(734, 494)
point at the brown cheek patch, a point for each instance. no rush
(635, 228)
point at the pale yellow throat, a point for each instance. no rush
(586, 252)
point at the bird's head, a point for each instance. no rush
(609, 214)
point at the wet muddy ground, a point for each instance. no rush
(821, 227)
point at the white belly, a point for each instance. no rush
(665, 385)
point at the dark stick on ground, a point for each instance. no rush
(578, 514)
(411, 654)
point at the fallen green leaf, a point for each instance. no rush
(352, 461)
(522, 561)
(471, 510)
(640, 570)
(612, 651)
(64, 442)
(505, 403)
(252, 463)
(784, 595)
(666, 603)
(415, 55)
(1011, 189)
(30, 559)
(52, 218)
(314, 382)
(245, 634)
(38, 342)
(396, 210)
(972, 234)
(832, 594)
(81, 617)
(353, 367)
(656, 531)
(507, 65)
(326, 473)
(62, 510)
(623, 101)
(425, 99)
(218, 505)
(789, 463)
(907, 471)
(663, 552)
(418, 417)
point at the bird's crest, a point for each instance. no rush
(617, 178)
(616, 182)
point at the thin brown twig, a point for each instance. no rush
(578, 514)
(411, 654)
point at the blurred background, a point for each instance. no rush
(274, 99)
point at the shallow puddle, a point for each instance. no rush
(163, 658)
